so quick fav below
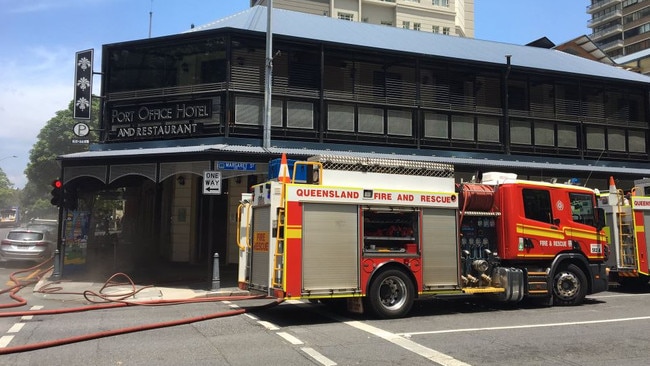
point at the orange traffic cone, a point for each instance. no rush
(612, 185)
(283, 175)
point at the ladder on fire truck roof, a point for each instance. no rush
(384, 165)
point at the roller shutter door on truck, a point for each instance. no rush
(330, 243)
(439, 248)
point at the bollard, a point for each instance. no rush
(56, 273)
(216, 282)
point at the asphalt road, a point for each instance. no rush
(609, 329)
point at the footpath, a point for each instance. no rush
(120, 287)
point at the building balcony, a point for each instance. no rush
(605, 18)
(604, 33)
(607, 47)
(600, 5)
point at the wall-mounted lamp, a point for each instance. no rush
(180, 180)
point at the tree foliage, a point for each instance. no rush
(9, 196)
(53, 140)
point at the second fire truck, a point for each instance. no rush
(383, 232)
(627, 214)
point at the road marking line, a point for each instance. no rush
(318, 357)
(251, 316)
(4, 341)
(268, 325)
(617, 295)
(409, 334)
(16, 328)
(27, 317)
(289, 338)
(409, 345)
(36, 307)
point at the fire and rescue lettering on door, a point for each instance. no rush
(211, 182)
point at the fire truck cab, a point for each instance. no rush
(383, 232)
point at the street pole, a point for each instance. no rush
(266, 143)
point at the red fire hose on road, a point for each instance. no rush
(109, 302)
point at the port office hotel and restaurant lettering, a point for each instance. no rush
(159, 120)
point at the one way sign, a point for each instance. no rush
(211, 182)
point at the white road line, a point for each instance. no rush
(4, 341)
(27, 317)
(251, 316)
(409, 345)
(318, 357)
(616, 295)
(409, 334)
(289, 338)
(268, 325)
(36, 307)
(16, 328)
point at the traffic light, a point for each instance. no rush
(57, 193)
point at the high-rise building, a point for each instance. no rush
(620, 27)
(453, 17)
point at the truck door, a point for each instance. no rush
(545, 218)
(581, 228)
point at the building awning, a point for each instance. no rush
(107, 172)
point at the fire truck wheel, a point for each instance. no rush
(569, 286)
(391, 294)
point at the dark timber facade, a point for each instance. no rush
(174, 107)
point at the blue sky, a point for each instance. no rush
(39, 39)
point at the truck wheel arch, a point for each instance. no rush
(380, 274)
(564, 259)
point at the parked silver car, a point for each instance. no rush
(27, 244)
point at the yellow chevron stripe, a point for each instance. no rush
(539, 231)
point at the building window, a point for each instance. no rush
(340, 117)
(346, 16)
(521, 132)
(399, 122)
(544, 134)
(250, 111)
(417, 26)
(636, 142)
(371, 120)
(406, 25)
(435, 29)
(300, 114)
(446, 30)
(595, 138)
(387, 22)
(462, 127)
(444, 3)
(488, 129)
(436, 125)
(567, 136)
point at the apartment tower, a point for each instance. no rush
(452, 17)
(620, 27)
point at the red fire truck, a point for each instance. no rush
(382, 232)
(626, 216)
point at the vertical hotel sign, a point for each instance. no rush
(83, 84)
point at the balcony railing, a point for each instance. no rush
(618, 28)
(604, 18)
(601, 4)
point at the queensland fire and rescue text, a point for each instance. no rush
(378, 233)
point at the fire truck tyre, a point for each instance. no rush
(569, 286)
(391, 294)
